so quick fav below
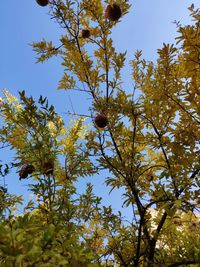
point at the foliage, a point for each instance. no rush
(150, 148)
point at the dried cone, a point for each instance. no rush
(42, 2)
(101, 120)
(113, 12)
(30, 169)
(85, 33)
(23, 174)
(48, 167)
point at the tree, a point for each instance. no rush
(147, 139)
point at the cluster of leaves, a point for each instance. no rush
(150, 147)
(26, 241)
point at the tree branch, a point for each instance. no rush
(183, 263)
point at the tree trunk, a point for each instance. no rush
(151, 253)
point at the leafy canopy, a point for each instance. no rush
(150, 148)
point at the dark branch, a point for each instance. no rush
(183, 263)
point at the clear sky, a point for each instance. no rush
(146, 27)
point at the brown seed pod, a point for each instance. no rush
(177, 221)
(101, 120)
(198, 201)
(1, 102)
(30, 169)
(85, 33)
(113, 12)
(23, 174)
(193, 225)
(42, 2)
(48, 167)
(150, 178)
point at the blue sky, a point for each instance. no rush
(146, 27)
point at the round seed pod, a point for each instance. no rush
(1, 102)
(23, 174)
(85, 33)
(42, 2)
(101, 120)
(113, 12)
(48, 167)
(193, 225)
(198, 201)
(150, 178)
(177, 221)
(30, 169)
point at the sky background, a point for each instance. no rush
(146, 27)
